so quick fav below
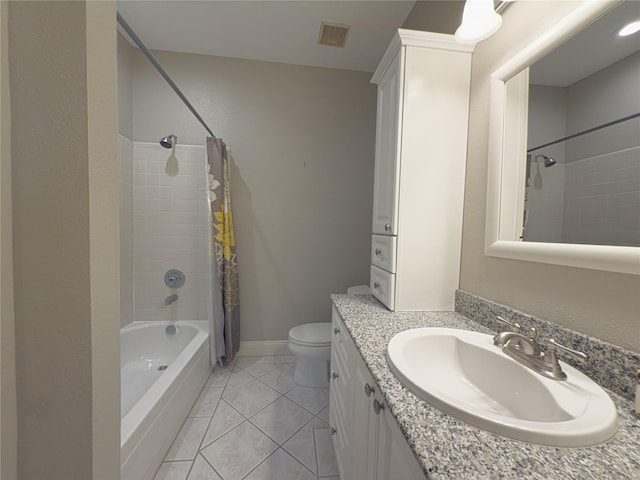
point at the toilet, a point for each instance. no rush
(311, 344)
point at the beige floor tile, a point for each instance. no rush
(207, 402)
(324, 414)
(258, 369)
(251, 398)
(186, 444)
(245, 361)
(302, 444)
(173, 471)
(239, 451)
(313, 399)
(201, 470)
(219, 376)
(238, 378)
(224, 419)
(280, 378)
(281, 419)
(281, 466)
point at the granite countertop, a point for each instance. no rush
(451, 449)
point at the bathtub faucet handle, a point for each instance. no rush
(170, 299)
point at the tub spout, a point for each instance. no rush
(170, 299)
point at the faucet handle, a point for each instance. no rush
(515, 326)
(575, 353)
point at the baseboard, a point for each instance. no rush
(273, 347)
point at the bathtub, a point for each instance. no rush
(162, 376)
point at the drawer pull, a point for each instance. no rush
(376, 285)
(368, 390)
(387, 227)
(378, 252)
(336, 330)
(377, 406)
(334, 375)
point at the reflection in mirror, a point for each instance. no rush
(583, 142)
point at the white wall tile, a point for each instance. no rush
(170, 230)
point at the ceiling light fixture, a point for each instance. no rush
(629, 29)
(479, 21)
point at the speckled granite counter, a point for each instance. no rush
(450, 449)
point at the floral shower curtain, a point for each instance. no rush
(227, 311)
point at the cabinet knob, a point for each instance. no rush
(387, 227)
(336, 330)
(378, 252)
(334, 375)
(368, 390)
(333, 431)
(376, 285)
(377, 406)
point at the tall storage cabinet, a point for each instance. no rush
(421, 148)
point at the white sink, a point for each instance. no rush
(465, 375)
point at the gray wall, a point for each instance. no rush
(611, 93)
(8, 408)
(62, 58)
(435, 16)
(602, 304)
(302, 141)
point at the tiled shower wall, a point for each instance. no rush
(169, 229)
(545, 203)
(602, 199)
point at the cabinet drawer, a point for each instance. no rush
(383, 286)
(383, 252)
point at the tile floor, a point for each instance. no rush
(252, 422)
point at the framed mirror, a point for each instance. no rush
(537, 142)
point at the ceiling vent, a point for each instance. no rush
(333, 34)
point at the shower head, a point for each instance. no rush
(169, 141)
(548, 161)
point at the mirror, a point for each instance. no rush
(569, 201)
(586, 189)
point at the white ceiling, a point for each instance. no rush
(274, 31)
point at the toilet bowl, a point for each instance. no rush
(311, 344)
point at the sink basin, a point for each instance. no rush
(465, 375)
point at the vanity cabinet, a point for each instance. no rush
(366, 438)
(420, 159)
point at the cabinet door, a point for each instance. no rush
(363, 426)
(386, 172)
(394, 459)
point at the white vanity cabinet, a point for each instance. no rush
(366, 438)
(421, 148)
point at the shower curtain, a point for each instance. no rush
(226, 299)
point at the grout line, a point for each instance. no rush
(260, 463)
(315, 451)
(211, 466)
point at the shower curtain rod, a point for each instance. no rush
(160, 70)
(588, 130)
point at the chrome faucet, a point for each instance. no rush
(170, 299)
(526, 351)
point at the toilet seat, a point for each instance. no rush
(311, 334)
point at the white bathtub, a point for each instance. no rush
(156, 400)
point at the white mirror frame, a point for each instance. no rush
(507, 153)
